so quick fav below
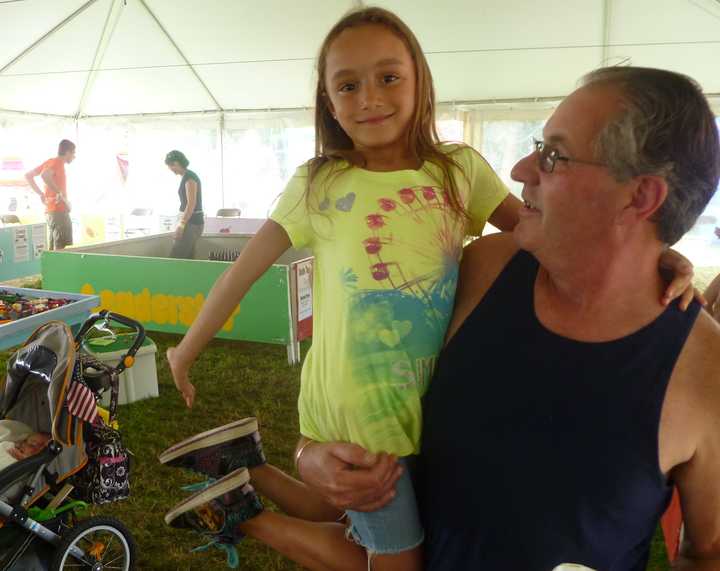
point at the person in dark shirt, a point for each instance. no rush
(192, 220)
(569, 399)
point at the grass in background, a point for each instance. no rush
(234, 380)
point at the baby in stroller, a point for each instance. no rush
(18, 441)
(48, 416)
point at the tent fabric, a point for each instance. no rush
(86, 58)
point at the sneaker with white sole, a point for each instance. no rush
(218, 451)
(217, 511)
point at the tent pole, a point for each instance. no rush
(607, 21)
(46, 35)
(103, 42)
(222, 159)
(182, 55)
(34, 114)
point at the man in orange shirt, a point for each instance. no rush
(55, 199)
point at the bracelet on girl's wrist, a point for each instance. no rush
(300, 451)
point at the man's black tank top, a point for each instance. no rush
(538, 449)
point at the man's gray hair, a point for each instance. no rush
(666, 129)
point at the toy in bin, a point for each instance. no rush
(16, 306)
(51, 388)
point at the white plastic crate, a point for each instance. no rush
(136, 383)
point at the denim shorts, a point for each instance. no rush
(395, 527)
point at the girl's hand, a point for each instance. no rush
(181, 376)
(680, 271)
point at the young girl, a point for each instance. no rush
(385, 208)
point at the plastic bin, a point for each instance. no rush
(16, 332)
(139, 381)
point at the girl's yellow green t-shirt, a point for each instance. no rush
(387, 248)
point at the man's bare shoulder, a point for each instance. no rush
(482, 262)
(703, 348)
(491, 248)
(698, 368)
(484, 258)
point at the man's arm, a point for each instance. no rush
(48, 176)
(699, 484)
(698, 479)
(346, 475)
(30, 178)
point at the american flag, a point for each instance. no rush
(81, 402)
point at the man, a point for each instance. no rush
(55, 199)
(569, 400)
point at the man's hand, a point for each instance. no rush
(179, 232)
(60, 198)
(349, 477)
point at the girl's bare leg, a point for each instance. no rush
(322, 546)
(291, 495)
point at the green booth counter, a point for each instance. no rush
(132, 277)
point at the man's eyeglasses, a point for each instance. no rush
(549, 155)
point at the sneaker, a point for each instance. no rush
(216, 511)
(219, 451)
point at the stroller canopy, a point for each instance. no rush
(37, 381)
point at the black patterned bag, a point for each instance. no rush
(106, 477)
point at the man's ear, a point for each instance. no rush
(647, 197)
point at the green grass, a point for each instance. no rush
(234, 380)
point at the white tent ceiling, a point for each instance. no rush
(83, 58)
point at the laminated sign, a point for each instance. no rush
(303, 275)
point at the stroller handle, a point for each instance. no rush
(128, 359)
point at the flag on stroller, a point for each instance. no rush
(81, 402)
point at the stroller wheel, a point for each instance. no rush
(106, 542)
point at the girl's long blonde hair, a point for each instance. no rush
(332, 143)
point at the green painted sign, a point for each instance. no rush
(166, 294)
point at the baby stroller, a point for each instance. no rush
(35, 499)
